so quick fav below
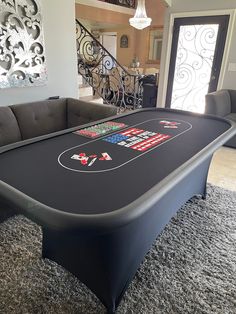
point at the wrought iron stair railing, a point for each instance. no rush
(124, 3)
(108, 78)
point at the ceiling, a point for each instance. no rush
(93, 25)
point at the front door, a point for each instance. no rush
(196, 56)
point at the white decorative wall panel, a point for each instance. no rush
(22, 52)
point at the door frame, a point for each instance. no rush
(215, 68)
(110, 34)
(231, 12)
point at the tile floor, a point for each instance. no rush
(223, 168)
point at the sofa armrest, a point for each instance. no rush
(9, 128)
(218, 103)
(81, 112)
(232, 93)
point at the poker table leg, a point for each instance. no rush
(89, 257)
(208, 161)
(107, 260)
(6, 211)
(205, 192)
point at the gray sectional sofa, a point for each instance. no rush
(222, 103)
(28, 120)
(25, 121)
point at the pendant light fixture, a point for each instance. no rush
(140, 19)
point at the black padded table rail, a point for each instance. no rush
(102, 201)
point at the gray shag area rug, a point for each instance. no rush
(191, 268)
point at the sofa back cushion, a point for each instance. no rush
(232, 93)
(218, 103)
(41, 117)
(9, 129)
(80, 112)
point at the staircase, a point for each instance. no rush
(108, 79)
(85, 89)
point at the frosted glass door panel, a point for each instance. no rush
(195, 54)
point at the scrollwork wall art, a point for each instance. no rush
(22, 53)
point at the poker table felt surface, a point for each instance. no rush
(45, 171)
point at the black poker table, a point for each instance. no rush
(102, 193)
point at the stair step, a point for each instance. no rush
(80, 79)
(83, 85)
(85, 91)
(92, 98)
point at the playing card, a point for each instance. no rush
(106, 156)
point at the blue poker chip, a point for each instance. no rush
(115, 138)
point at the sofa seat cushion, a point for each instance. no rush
(231, 116)
(9, 129)
(232, 93)
(232, 141)
(218, 103)
(42, 117)
(81, 112)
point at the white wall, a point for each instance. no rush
(180, 6)
(60, 44)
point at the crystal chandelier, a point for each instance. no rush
(140, 19)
